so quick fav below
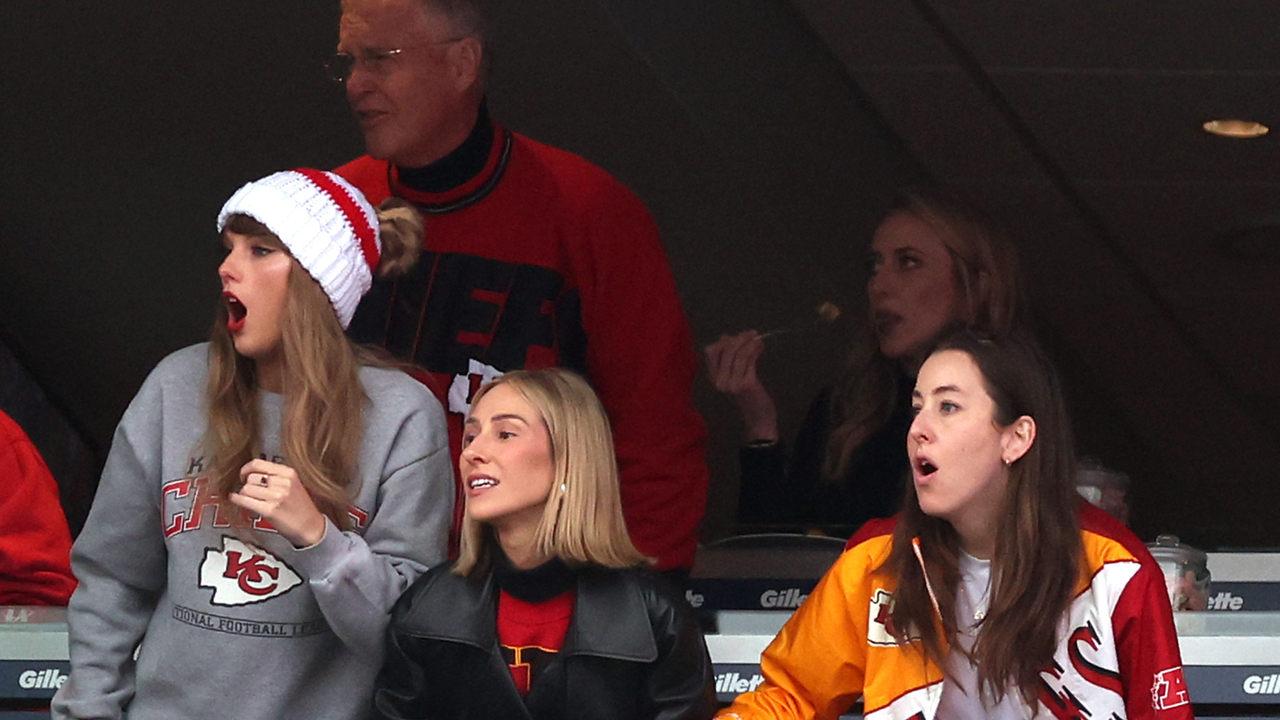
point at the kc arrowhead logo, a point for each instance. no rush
(240, 574)
(880, 630)
(465, 386)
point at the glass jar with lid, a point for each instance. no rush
(1186, 572)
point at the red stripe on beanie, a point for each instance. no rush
(365, 232)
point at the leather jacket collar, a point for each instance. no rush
(632, 652)
(609, 618)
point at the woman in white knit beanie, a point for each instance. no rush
(269, 494)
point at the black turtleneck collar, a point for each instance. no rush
(464, 163)
(535, 585)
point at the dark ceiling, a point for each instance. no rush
(766, 136)
(1080, 124)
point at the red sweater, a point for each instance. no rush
(531, 634)
(35, 544)
(544, 259)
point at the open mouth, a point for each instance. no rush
(477, 483)
(925, 468)
(236, 312)
(885, 322)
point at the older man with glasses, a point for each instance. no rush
(534, 258)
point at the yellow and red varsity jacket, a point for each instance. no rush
(1117, 653)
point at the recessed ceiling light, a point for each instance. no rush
(1236, 128)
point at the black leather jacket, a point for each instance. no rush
(633, 650)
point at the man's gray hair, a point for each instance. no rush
(471, 18)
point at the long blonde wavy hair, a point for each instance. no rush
(993, 300)
(323, 398)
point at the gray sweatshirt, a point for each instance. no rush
(247, 626)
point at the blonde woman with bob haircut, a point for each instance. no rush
(550, 606)
(582, 522)
(269, 494)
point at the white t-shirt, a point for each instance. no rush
(960, 697)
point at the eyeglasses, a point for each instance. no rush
(376, 61)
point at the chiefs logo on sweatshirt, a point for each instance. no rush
(240, 574)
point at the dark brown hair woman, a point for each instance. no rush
(996, 593)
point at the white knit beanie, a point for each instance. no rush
(328, 226)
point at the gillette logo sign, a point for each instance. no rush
(50, 679)
(789, 598)
(732, 682)
(1260, 685)
(1226, 601)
